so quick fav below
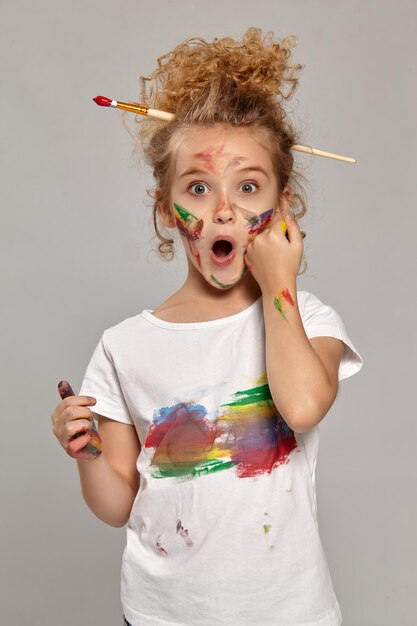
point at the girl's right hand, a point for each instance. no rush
(73, 425)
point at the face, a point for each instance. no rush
(224, 192)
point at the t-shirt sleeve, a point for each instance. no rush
(102, 382)
(321, 320)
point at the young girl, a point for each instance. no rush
(208, 406)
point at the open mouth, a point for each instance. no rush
(222, 252)
(222, 248)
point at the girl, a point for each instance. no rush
(208, 406)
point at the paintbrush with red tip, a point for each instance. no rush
(133, 108)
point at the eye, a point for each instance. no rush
(199, 188)
(247, 187)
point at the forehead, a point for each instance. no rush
(219, 143)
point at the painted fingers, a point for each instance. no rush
(73, 425)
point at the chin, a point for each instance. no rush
(222, 283)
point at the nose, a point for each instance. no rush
(223, 213)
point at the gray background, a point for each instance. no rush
(76, 259)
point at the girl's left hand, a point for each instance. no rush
(273, 259)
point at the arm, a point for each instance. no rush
(110, 482)
(302, 374)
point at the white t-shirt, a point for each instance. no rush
(223, 530)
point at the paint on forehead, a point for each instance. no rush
(229, 285)
(233, 163)
(214, 154)
(188, 224)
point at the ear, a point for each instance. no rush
(165, 214)
(284, 201)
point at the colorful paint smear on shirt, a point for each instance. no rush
(248, 435)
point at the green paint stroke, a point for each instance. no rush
(257, 395)
(267, 528)
(278, 305)
(182, 470)
(183, 214)
(227, 286)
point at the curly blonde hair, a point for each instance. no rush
(242, 84)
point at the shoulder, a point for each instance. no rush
(122, 332)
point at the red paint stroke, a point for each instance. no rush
(256, 462)
(181, 435)
(160, 548)
(197, 257)
(208, 157)
(191, 231)
(260, 222)
(184, 534)
(286, 294)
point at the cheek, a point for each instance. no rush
(257, 223)
(189, 225)
(265, 220)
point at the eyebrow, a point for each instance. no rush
(193, 171)
(254, 168)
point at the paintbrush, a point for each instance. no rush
(164, 115)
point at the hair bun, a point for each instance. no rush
(256, 66)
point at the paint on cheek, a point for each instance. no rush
(255, 223)
(188, 224)
(262, 222)
(265, 219)
(283, 296)
(197, 257)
